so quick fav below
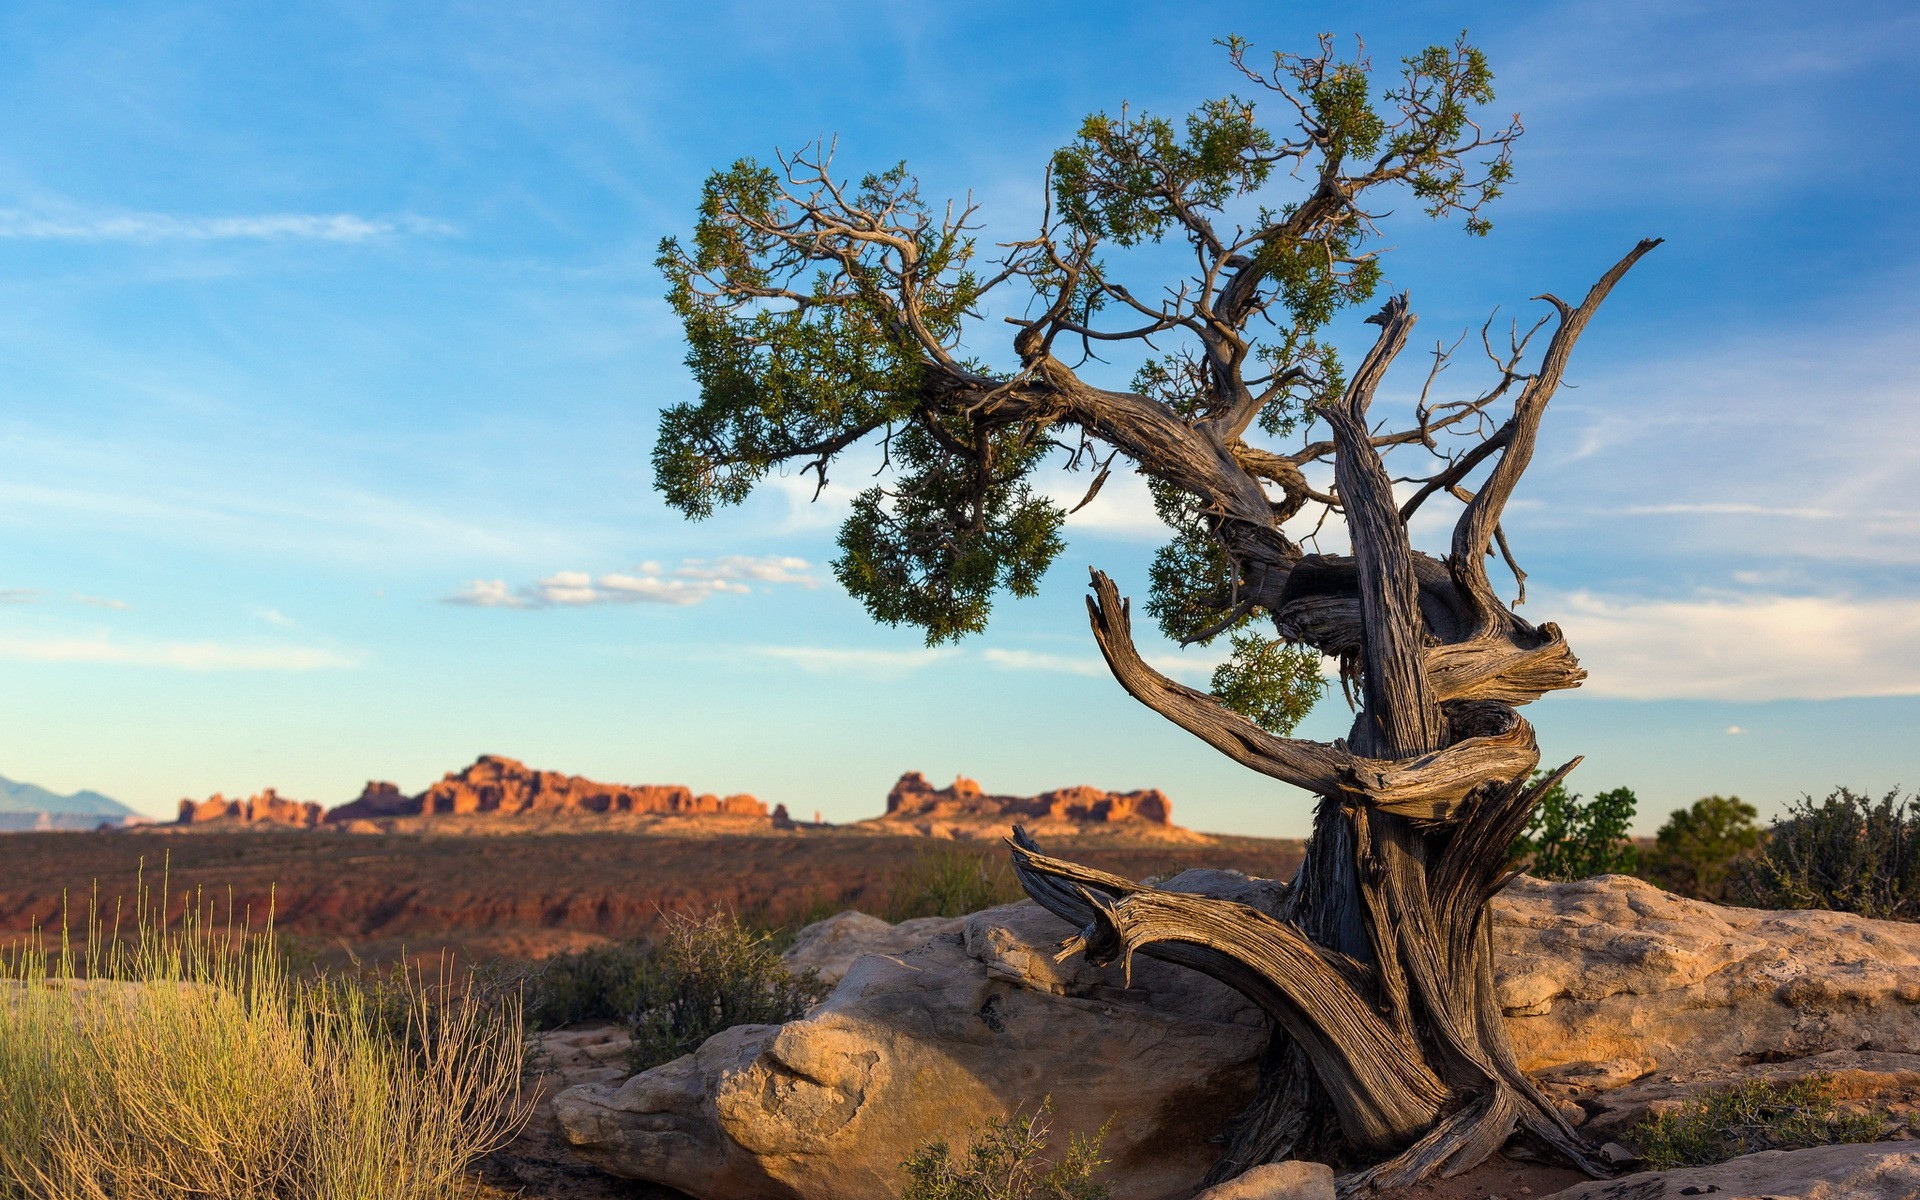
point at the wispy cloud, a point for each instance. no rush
(101, 602)
(1195, 667)
(20, 595)
(693, 581)
(185, 656)
(1767, 647)
(167, 227)
(871, 663)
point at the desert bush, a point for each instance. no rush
(1846, 852)
(1701, 847)
(1005, 1160)
(606, 983)
(713, 973)
(188, 1061)
(1571, 838)
(949, 880)
(1751, 1117)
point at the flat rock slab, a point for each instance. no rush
(1870, 1171)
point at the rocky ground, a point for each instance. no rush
(1620, 999)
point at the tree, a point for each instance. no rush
(1567, 838)
(820, 313)
(1698, 848)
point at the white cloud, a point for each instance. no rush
(1734, 730)
(165, 227)
(187, 656)
(1195, 668)
(1767, 647)
(1033, 660)
(880, 664)
(274, 616)
(694, 580)
(20, 595)
(101, 602)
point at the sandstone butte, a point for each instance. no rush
(501, 785)
(266, 808)
(964, 809)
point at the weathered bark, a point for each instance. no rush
(1377, 970)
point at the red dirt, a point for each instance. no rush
(518, 895)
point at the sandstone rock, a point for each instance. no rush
(964, 810)
(830, 947)
(266, 808)
(1872, 1171)
(501, 785)
(1277, 1181)
(1607, 983)
(978, 1023)
(1615, 979)
(1887, 1079)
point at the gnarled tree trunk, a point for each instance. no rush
(1377, 972)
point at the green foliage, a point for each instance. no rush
(1846, 853)
(1752, 1117)
(1004, 1161)
(958, 525)
(1700, 846)
(603, 983)
(819, 313)
(947, 880)
(714, 973)
(1272, 684)
(1571, 838)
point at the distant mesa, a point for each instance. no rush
(501, 785)
(268, 808)
(963, 809)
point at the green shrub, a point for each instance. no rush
(1571, 838)
(1752, 1117)
(1004, 1161)
(1846, 853)
(714, 973)
(948, 880)
(1702, 846)
(604, 983)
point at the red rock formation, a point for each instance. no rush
(913, 798)
(500, 785)
(267, 808)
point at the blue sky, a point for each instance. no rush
(315, 317)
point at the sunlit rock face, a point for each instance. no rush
(1609, 985)
(502, 785)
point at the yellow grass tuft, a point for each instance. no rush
(187, 1060)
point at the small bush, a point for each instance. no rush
(948, 880)
(1004, 1161)
(1571, 838)
(714, 973)
(1753, 1117)
(187, 1061)
(1702, 846)
(1846, 853)
(604, 983)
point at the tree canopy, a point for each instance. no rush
(822, 312)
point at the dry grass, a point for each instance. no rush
(187, 1060)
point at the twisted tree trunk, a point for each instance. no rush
(1377, 971)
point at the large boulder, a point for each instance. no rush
(979, 1022)
(1606, 982)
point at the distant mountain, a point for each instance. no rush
(32, 798)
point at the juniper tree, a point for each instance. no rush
(823, 312)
